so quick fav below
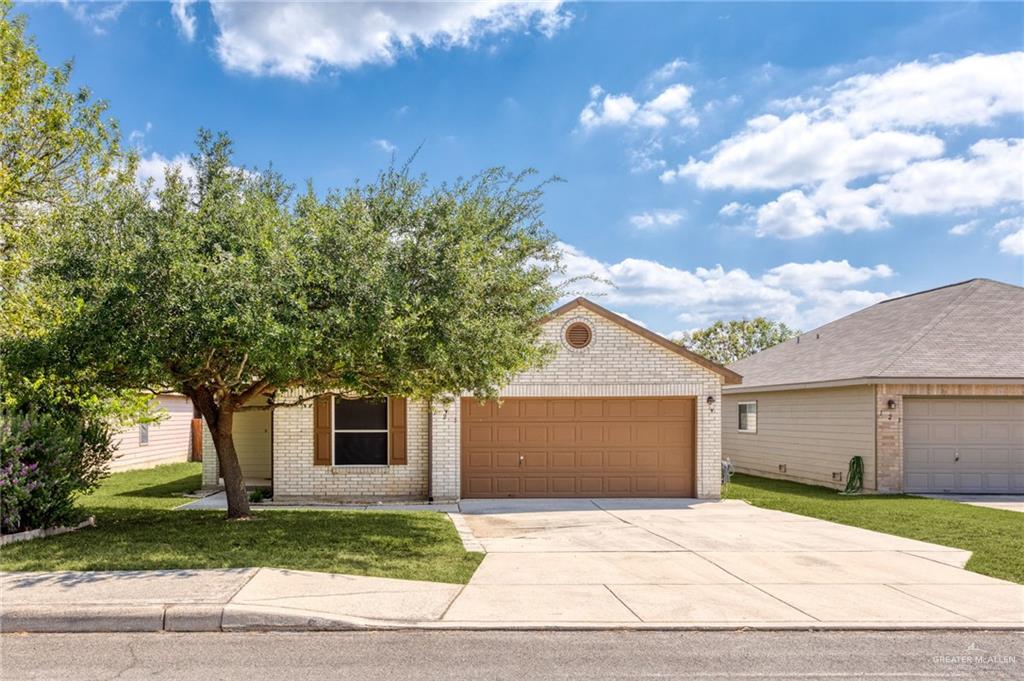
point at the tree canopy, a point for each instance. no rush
(226, 286)
(726, 342)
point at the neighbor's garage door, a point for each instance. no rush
(964, 445)
(594, 447)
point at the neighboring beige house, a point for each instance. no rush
(618, 411)
(147, 445)
(927, 388)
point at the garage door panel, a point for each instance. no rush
(481, 459)
(562, 409)
(618, 459)
(647, 485)
(506, 460)
(580, 447)
(591, 433)
(481, 486)
(645, 434)
(506, 485)
(965, 445)
(677, 409)
(534, 460)
(617, 409)
(536, 486)
(481, 434)
(996, 433)
(471, 409)
(535, 435)
(589, 409)
(534, 410)
(563, 459)
(967, 433)
(563, 435)
(617, 434)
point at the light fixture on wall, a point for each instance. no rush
(892, 404)
(711, 402)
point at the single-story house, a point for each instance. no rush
(617, 411)
(145, 445)
(928, 389)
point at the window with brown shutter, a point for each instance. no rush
(397, 430)
(322, 430)
(359, 432)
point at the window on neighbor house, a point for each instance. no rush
(747, 417)
(143, 433)
(360, 432)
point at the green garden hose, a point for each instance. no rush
(855, 476)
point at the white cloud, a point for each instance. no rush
(181, 10)
(974, 90)
(773, 153)
(96, 15)
(298, 39)
(385, 145)
(734, 208)
(668, 71)
(155, 166)
(671, 105)
(800, 294)
(871, 148)
(819, 275)
(655, 220)
(964, 228)
(1013, 243)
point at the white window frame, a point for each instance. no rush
(386, 431)
(745, 404)
(143, 434)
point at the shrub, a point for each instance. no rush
(47, 459)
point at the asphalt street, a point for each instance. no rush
(443, 655)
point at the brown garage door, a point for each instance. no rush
(594, 447)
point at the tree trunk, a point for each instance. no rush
(230, 469)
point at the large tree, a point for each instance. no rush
(726, 342)
(56, 145)
(225, 287)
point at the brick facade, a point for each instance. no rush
(889, 422)
(616, 363)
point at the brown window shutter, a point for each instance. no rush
(322, 430)
(397, 430)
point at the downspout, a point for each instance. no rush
(430, 451)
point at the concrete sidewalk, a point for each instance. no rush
(268, 599)
(566, 564)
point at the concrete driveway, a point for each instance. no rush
(694, 562)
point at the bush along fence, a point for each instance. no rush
(47, 460)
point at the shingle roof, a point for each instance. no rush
(970, 330)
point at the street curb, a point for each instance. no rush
(205, 617)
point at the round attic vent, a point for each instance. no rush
(578, 335)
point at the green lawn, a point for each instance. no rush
(136, 529)
(996, 537)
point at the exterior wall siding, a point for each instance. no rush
(890, 421)
(168, 439)
(814, 433)
(617, 363)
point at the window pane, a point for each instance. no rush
(360, 414)
(743, 417)
(360, 449)
(143, 433)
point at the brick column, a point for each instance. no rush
(888, 439)
(445, 465)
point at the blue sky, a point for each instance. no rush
(795, 160)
